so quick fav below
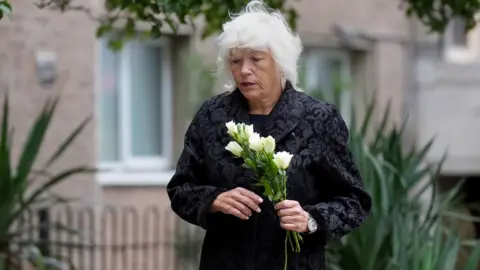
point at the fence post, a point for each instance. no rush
(43, 231)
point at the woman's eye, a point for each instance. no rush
(234, 61)
(256, 59)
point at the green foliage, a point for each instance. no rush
(436, 14)
(174, 13)
(401, 232)
(36, 260)
(123, 16)
(17, 196)
(5, 9)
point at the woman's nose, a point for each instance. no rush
(246, 67)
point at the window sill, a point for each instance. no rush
(134, 179)
(460, 56)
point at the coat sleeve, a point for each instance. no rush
(189, 193)
(345, 202)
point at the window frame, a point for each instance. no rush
(461, 54)
(311, 56)
(127, 163)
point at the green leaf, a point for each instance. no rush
(34, 141)
(436, 16)
(367, 119)
(250, 163)
(3, 261)
(115, 44)
(5, 163)
(48, 185)
(103, 29)
(37, 258)
(130, 30)
(268, 189)
(155, 31)
(68, 141)
(474, 259)
(173, 25)
(5, 7)
(278, 196)
(7, 184)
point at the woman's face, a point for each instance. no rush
(255, 72)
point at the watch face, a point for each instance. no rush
(312, 225)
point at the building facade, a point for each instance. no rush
(141, 97)
(447, 106)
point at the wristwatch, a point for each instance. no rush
(311, 225)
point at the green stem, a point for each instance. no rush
(286, 251)
(296, 237)
(290, 241)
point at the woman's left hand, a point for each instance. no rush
(292, 216)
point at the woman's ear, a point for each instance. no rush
(283, 81)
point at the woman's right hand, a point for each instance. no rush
(238, 202)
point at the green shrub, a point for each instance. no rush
(401, 232)
(16, 194)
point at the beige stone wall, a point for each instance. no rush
(71, 39)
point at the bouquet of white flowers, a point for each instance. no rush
(270, 168)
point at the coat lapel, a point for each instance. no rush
(233, 108)
(286, 114)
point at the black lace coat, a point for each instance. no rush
(322, 178)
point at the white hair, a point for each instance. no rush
(259, 28)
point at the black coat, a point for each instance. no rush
(322, 178)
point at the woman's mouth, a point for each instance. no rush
(247, 84)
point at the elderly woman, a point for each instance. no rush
(211, 189)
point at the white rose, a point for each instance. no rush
(232, 128)
(235, 148)
(241, 130)
(249, 131)
(282, 159)
(255, 142)
(268, 144)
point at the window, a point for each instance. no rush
(461, 46)
(134, 107)
(326, 74)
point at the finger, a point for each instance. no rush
(288, 226)
(250, 195)
(239, 206)
(290, 219)
(286, 204)
(235, 212)
(246, 201)
(289, 212)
